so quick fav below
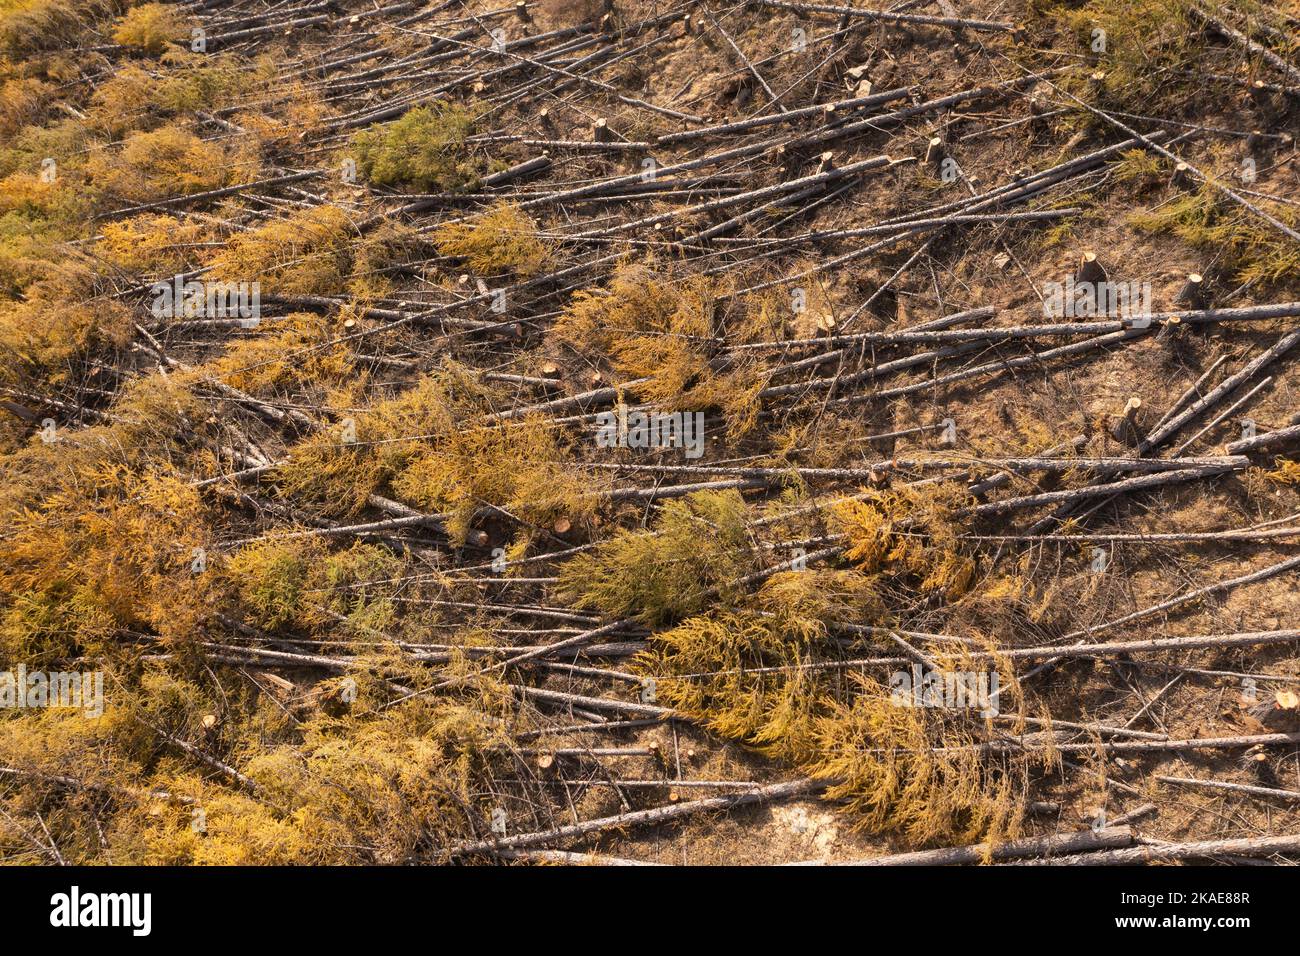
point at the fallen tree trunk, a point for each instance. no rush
(1169, 852)
(1139, 483)
(576, 859)
(986, 26)
(1160, 435)
(1048, 846)
(1282, 436)
(638, 818)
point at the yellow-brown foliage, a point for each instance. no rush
(135, 98)
(385, 788)
(60, 323)
(153, 246)
(169, 162)
(379, 254)
(300, 112)
(767, 677)
(339, 477)
(293, 351)
(700, 543)
(30, 195)
(30, 25)
(908, 532)
(306, 253)
(706, 667)
(1285, 472)
(660, 328)
(121, 559)
(518, 467)
(917, 771)
(298, 581)
(150, 27)
(23, 100)
(503, 239)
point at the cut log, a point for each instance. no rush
(1048, 846)
(1170, 852)
(1273, 439)
(638, 818)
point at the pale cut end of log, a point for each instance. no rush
(1256, 761)
(544, 117)
(934, 153)
(1125, 427)
(1256, 141)
(600, 132)
(1193, 293)
(825, 162)
(780, 155)
(521, 11)
(596, 379)
(1281, 712)
(689, 26)
(1097, 82)
(209, 721)
(479, 538)
(1265, 100)
(545, 761)
(349, 324)
(550, 370)
(1183, 176)
(562, 526)
(1090, 269)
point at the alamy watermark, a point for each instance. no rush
(197, 299)
(623, 429)
(948, 690)
(75, 909)
(76, 690)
